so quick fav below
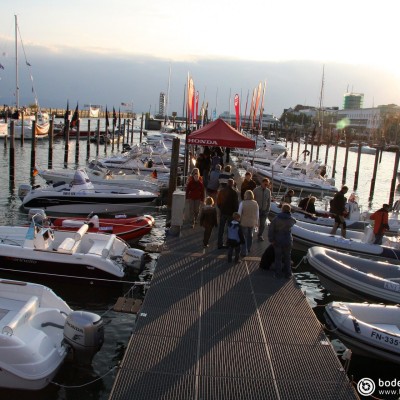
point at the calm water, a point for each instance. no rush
(73, 379)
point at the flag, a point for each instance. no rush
(75, 117)
(66, 115)
(196, 113)
(35, 171)
(190, 96)
(236, 105)
(154, 174)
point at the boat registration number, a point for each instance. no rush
(383, 337)
(392, 286)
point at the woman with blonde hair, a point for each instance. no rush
(249, 219)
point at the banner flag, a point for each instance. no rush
(75, 117)
(237, 113)
(257, 102)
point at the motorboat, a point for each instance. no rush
(3, 129)
(37, 331)
(103, 176)
(83, 197)
(354, 220)
(127, 228)
(307, 235)
(371, 330)
(365, 149)
(378, 280)
(39, 249)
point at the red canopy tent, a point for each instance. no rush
(219, 133)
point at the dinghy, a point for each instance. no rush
(37, 331)
(307, 235)
(372, 330)
(38, 249)
(367, 278)
(127, 228)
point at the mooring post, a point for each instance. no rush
(173, 170)
(98, 138)
(334, 160)
(372, 188)
(141, 128)
(346, 156)
(22, 128)
(66, 138)
(33, 152)
(78, 133)
(357, 172)
(394, 178)
(51, 143)
(12, 156)
(88, 142)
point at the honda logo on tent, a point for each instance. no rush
(203, 141)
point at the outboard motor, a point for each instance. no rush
(23, 190)
(133, 259)
(84, 332)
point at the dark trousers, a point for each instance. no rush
(207, 234)
(232, 248)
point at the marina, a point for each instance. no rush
(208, 271)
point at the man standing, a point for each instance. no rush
(228, 203)
(262, 195)
(280, 236)
(381, 218)
(338, 208)
(247, 184)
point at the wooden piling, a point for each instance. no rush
(88, 142)
(113, 138)
(346, 156)
(98, 138)
(173, 170)
(51, 143)
(372, 188)
(141, 128)
(334, 160)
(394, 178)
(357, 172)
(66, 138)
(12, 156)
(33, 152)
(78, 134)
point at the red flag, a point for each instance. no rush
(257, 102)
(236, 104)
(154, 174)
(190, 92)
(196, 106)
(75, 117)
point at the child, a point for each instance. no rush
(235, 237)
(208, 219)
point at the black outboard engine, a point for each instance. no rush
(84, 332)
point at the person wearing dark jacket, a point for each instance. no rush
(381, 218)
(227, 203)
(208, 219)
(280, 236)
(247, 184)
(338, 209)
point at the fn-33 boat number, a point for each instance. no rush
(392, 286)
(74, 194)
(383, 337)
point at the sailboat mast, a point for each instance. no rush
(169, 84)
(321, 96)
(16, 64)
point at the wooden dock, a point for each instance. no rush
(209, 329)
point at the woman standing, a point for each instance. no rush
(249, 219)
(195, 195)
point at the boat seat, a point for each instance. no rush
(68, 246)
(101, 247)
(23, 315)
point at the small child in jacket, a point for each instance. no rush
(208, 219)
(235, 237)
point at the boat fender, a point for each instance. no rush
(356, 325)
(81, 232)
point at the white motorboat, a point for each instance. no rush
(307, 235)
(371, 330)
(354, 220)
(37, 330)
(365, 149)
(91, 256)
(366, 278)
(81, 196)
(103, 176)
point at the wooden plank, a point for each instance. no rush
(127, 305)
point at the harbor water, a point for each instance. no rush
(95, 382)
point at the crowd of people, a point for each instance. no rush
(214, 201)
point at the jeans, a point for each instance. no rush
(262, 220)
(378, 238)
(248, 239)
(223, 220)
(283, 260)
(230, 252)
(194, 209)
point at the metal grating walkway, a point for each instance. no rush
(209, 329)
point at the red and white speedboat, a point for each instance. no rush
(127, 228)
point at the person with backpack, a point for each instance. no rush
(235, 237)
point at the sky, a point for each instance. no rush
(128, 51)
